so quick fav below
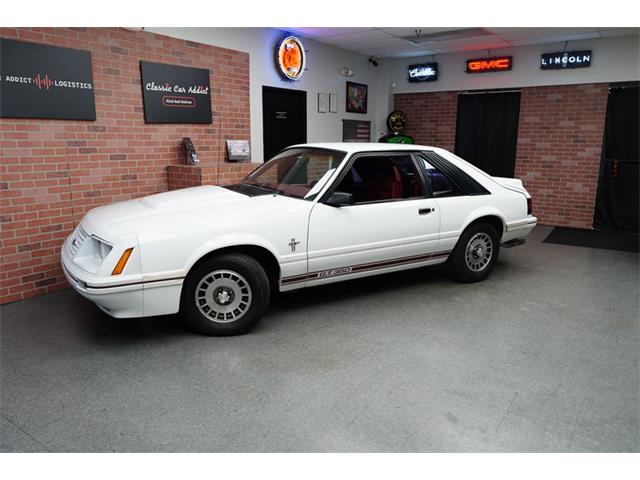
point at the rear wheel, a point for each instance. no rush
(475, 253)
(225, 295)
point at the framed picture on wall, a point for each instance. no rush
(333, 103)
(356, 131)
(322, 103)
(356, 97)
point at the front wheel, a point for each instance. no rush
(225, 295)
(475, 253)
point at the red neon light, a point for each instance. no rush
(489, 64)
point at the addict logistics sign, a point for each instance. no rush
(42, 81)
(174, 94)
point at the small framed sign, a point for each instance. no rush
(333, 103)
(322, 103)
(175, 94)
(423, 72)
(238, 150)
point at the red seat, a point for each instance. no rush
(387, 187)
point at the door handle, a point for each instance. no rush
(425, 211)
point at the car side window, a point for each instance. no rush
(441, 186)
(378, 178)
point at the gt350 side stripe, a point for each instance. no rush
(335, 272)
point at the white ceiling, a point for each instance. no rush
(403, 42)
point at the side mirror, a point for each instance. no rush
(340, 199)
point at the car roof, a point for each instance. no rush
(354, 147)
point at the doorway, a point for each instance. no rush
(618, 194)
(284, 119)
(487, 130)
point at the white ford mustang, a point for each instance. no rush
(314, 214)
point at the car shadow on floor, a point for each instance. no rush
(101, 329)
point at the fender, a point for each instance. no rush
(230, 240)
(483, 212)
(449, 239)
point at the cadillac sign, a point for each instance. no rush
(423, 72)
(561, 60)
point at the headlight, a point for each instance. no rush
(103, 249)
(91, 253)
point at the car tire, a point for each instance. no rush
(475, 254)
(225, 295)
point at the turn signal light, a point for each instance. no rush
(122, 262)
(529, 206)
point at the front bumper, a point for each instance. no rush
(120, 298)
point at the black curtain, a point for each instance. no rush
(618, 195)
(487, 131)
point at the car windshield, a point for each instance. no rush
(297, 172)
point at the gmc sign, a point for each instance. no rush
(495, 64)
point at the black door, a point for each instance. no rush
(284, 119)
(487, 131)
(618, 198)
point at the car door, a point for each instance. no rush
(392, 222)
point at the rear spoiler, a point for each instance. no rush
(514, 184)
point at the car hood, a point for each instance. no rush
(177, 211)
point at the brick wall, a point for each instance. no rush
(559, 146)
(183, 176)
(53, 172)
(432, 117)
(559, 142)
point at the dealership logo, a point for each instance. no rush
(562, 60)
(495, 64)
(45, 82)
(423, 72)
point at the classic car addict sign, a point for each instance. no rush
(42, 81)
(494, 64)
(423, 72)
(560, 60)
(174, 94)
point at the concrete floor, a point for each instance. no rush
(543, 356)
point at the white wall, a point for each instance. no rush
(322, 76)
(613, 60)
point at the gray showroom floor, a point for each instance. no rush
(543, 356)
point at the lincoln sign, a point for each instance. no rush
(560, 60)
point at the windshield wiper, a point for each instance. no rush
(259, 185)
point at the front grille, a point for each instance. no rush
(77, 239)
